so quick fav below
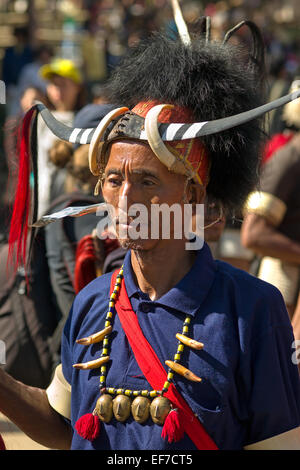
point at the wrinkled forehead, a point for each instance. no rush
(133, 156)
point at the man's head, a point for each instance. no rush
(135, 178)
(199, 82)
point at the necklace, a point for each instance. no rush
(121, 402)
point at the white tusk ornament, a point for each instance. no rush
(100, 129)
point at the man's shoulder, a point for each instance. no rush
(96, 289)
(94, 296)
(89, 304)
(246, 283)
(255, 302)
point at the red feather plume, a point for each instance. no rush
(21, 209)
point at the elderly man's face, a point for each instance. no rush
(136, 176)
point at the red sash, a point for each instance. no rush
(154, 371)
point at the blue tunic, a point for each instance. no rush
(250, 387)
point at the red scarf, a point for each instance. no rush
(154, 371)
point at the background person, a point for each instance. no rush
(65, 91)
(271, 226)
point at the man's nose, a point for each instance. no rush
(128, 195)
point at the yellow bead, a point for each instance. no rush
(119, 391)
(111, 390)
(113, 296)
(187, 320)
(177, 357)
(144, 393)
(117, 287)
(170, 376)
(107, 323)
(102, 378)
(127, 392)
(104, 352)
(103, 369)
(180, 348)
(135, 393)
(109, 315)
(166, 385)
(153, 393)
(185, 329)
(106, 342)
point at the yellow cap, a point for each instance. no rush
(63, 67)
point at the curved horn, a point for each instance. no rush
(177, 131)
(180, 23)
(99, 131)
(258, 47)
(153, 136)
(75, 135)
(70, 134)
(158, 147)
(59, 129)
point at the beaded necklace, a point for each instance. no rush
(121, 405)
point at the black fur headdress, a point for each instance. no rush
(215, 81)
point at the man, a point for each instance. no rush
(229, 382)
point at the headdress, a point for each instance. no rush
(196, 102)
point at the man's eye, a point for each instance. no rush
(114, 182)
(148, 182)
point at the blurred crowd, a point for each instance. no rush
(73, 88)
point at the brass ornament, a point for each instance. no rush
(159, 409)
(140, 409)
(121, 407)
(104, 408)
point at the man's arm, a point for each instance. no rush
(29, 408)
(259, 235)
